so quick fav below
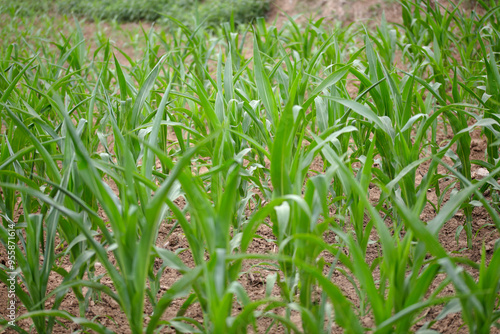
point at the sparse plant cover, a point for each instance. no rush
(212, 176)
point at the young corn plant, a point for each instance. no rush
(100, 148)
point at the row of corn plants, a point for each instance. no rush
(225, 133)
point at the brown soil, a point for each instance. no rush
(344, 11)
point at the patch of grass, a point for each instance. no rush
(26, 7)
(122, 11)
(215, 11)
(219, 11)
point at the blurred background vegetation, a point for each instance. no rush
(214, 11)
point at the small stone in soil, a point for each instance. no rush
(480, 173)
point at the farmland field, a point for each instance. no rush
(297, 175)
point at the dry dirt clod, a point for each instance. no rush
(477, 145)
(172, 241)
(480, 174)
(490, 246)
